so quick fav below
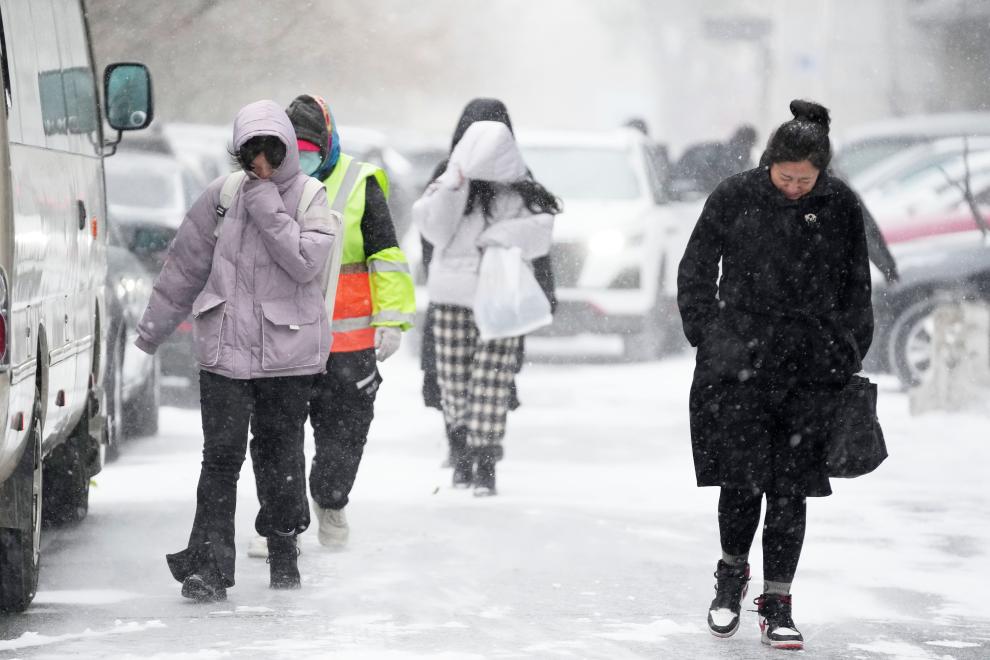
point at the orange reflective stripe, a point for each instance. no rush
(353, 296)
(355, 340)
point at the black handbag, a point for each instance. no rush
(855, 442)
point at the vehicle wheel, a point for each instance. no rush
(20, 549)
(66, 494)
(115, 399)
(909, 350)
(141, 413)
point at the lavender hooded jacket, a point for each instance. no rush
(254, 291)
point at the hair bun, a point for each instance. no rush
(810, 111)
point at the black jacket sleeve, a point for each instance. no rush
(697, 275)
(376, 223)
(856, 310)
(877, 247)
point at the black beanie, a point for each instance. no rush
(309, 123)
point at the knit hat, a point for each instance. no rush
(313, 122)
(306, 145)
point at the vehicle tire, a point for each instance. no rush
(20, 549)
(141, 413)
(115, 398)
(66, 494)
(909, 348)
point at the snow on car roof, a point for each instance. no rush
(934, 125)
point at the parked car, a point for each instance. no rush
(618, 241)
(867, 145)
(53, 310)
(148, 194)
(940, 257)
(133, 392)
(932, 189)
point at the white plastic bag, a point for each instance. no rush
(509, 301)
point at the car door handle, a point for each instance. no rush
(81, 206)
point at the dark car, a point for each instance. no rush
(148, 194)
(132, 375)
(940, 258)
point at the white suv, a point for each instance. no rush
(618, 241)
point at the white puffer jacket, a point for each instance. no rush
(487, 152)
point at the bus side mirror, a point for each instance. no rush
(127, 90)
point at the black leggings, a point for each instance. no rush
(783, 529)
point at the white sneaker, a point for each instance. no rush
(258, 547)
(333, 527)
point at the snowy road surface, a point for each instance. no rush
(599, 545)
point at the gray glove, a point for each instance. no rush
(387, 341)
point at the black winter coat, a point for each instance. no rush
(778, 334)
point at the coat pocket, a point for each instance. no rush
(290, 336)
(208, 313)
(724, 354)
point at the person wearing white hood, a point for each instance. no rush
(484, 197)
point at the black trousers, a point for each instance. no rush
(341, 408)
(275, 411)
(783, 529)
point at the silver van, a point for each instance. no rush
(53, 318)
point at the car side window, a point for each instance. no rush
(52, 93)
(78, 84)
(24, 123)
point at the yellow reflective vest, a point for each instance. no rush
(373, 289)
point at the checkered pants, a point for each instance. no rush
(475, 377)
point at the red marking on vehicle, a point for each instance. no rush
(60, 398)
(185, 326)
(17, 422)
(909, 229)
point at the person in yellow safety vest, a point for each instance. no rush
(374, 304)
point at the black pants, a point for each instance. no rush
(341, 408)
(783, 529)
(275, 409)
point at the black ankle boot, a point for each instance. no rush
(484, 473)
(204, 587)
(282, 562)
(462, 458)
(197, 570)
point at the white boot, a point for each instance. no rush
(258, 547)
(333, 527)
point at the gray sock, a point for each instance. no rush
(735, 560)
(780, 588)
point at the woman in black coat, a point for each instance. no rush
(779, 333)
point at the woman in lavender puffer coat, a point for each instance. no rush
(262, 332)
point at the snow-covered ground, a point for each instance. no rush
(598, 546)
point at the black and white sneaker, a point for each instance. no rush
(731, 584)
(777, 628)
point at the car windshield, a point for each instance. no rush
(141, 187)
(858, 157)
(584, 172)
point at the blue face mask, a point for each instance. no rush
(309, 161)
